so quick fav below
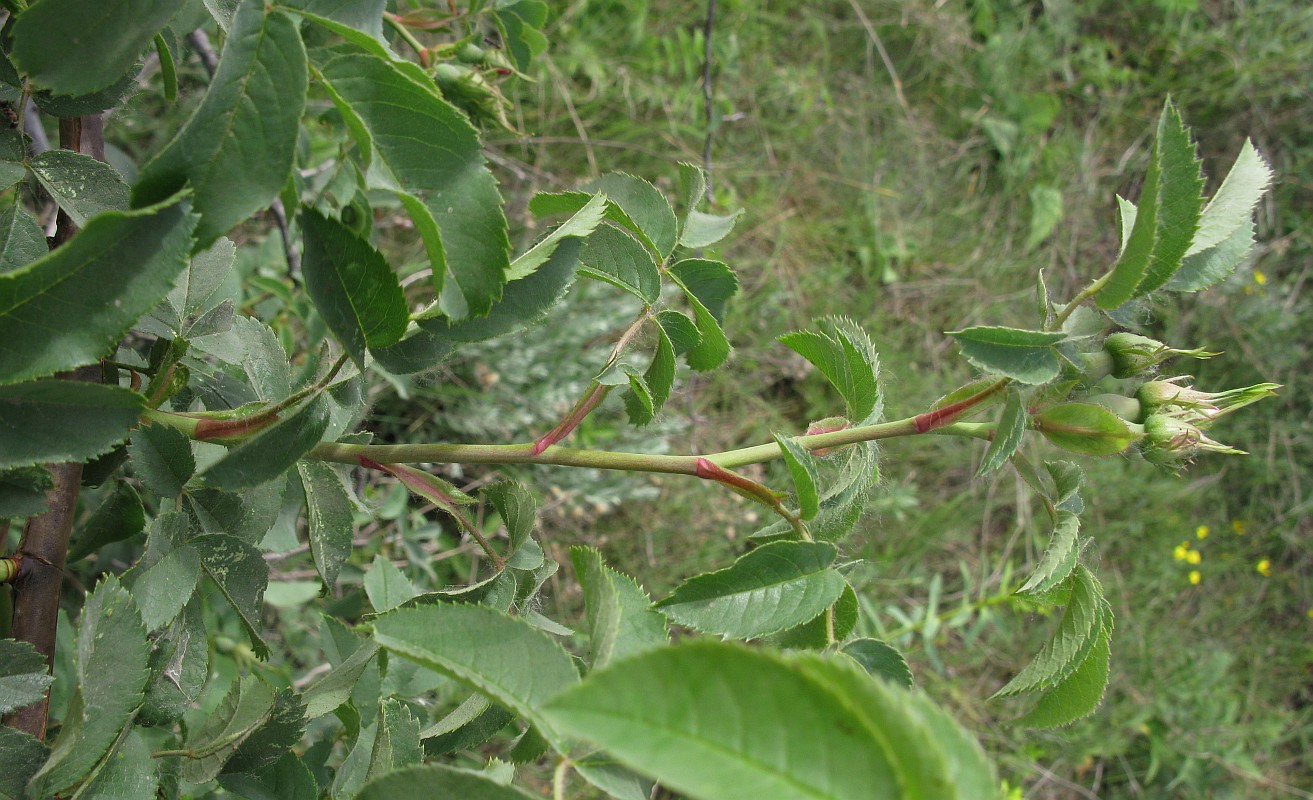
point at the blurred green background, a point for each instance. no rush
(912, 165)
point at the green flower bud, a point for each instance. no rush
(1133, 354)
(1203, 407)
(1174, 442)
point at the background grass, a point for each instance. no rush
(916, 196)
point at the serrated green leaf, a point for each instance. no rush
(1025, 356)
(1059, 557)
(844, 355)
(518, 509)
(428, 150)
(23, 755)
(713, 283)
(387, 586)
(119, 516)
(335, 688)
(1165, 220)
(352, 285)
(81, 185)
(712, 348)
(328, 517)
(161, 459)
(881, 660)
(195, 293)
(621, 622)
(581, 225)
(287, 779)
(1079, 693)
(1076, 633)
(436, 780)
(115, 270)
(1231, 208)
(1085, 428)
(122, 31)
(396, 743)
(179, 667)
(241, 573)
(23, 491)
(1067, 480)
(645, 205)
(660, 374)
(272, 450)
(1180, 188)
(1209, 267)
(702, 718)
(24, 676)
(501, 656)
(774, 587)
(1045, 213)
(260, 86)
(1008, 433)
(128, 773)
(803, 469)
(51, 421)
(21, 240)
(248, 705)
(704, 230)
(613, 256)
(111, 673)
(165, 587)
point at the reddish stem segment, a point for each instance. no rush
(940, 417)
(591, 399)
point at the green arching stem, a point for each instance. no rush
(420, 51)
(630, 462)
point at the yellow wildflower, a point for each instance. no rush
(1260, 278)
(1264, 567)
(1194, 557)
(1181, 552)
(1201, 532)
(1240, 527)
(1195, 577)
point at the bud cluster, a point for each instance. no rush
(1175, 415)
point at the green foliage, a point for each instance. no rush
(442, 643)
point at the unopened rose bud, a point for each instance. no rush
(1133, 354)
(1128, 408)
(1174, 442)
(1196, 405)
